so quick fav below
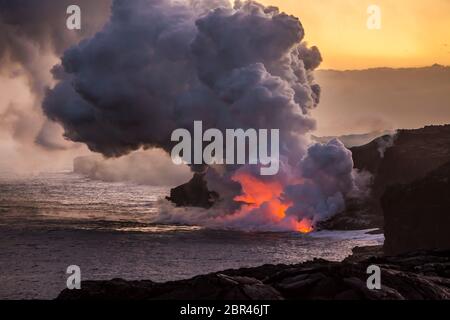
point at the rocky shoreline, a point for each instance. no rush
(418, 275)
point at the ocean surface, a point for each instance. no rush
(50, 221)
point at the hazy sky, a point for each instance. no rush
(379, 99)
(413, 32)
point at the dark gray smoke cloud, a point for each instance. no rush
(159, 65)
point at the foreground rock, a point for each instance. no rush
(420, 275)
(417, 215)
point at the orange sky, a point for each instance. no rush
(413, 32)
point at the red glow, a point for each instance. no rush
(256, 193)
(304, 226)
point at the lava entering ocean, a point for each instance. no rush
(231, 66)
(266, 196)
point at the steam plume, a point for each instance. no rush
(151, 167)
(159, 65)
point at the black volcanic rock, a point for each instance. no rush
(194, 193)
(358, 215)
(420, 275)
(209, 287)
(403, 158)
(413, 154)
(417, 215)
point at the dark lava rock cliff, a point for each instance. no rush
(417, 215)
(400, 159)
(405, 157)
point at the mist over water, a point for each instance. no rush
(51, 221)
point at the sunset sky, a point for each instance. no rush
(414, 33)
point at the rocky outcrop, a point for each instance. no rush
(417, 215)
(392, 159)
(420, 275)
(405, 157)
(194, 193)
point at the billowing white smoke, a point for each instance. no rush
(159, 65)
(327, 171)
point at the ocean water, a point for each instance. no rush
(50, 221)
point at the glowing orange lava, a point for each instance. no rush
(304, 226)
(256, 193)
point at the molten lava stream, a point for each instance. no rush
(304, 226)
(257, 193)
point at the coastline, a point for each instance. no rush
(416, 275)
